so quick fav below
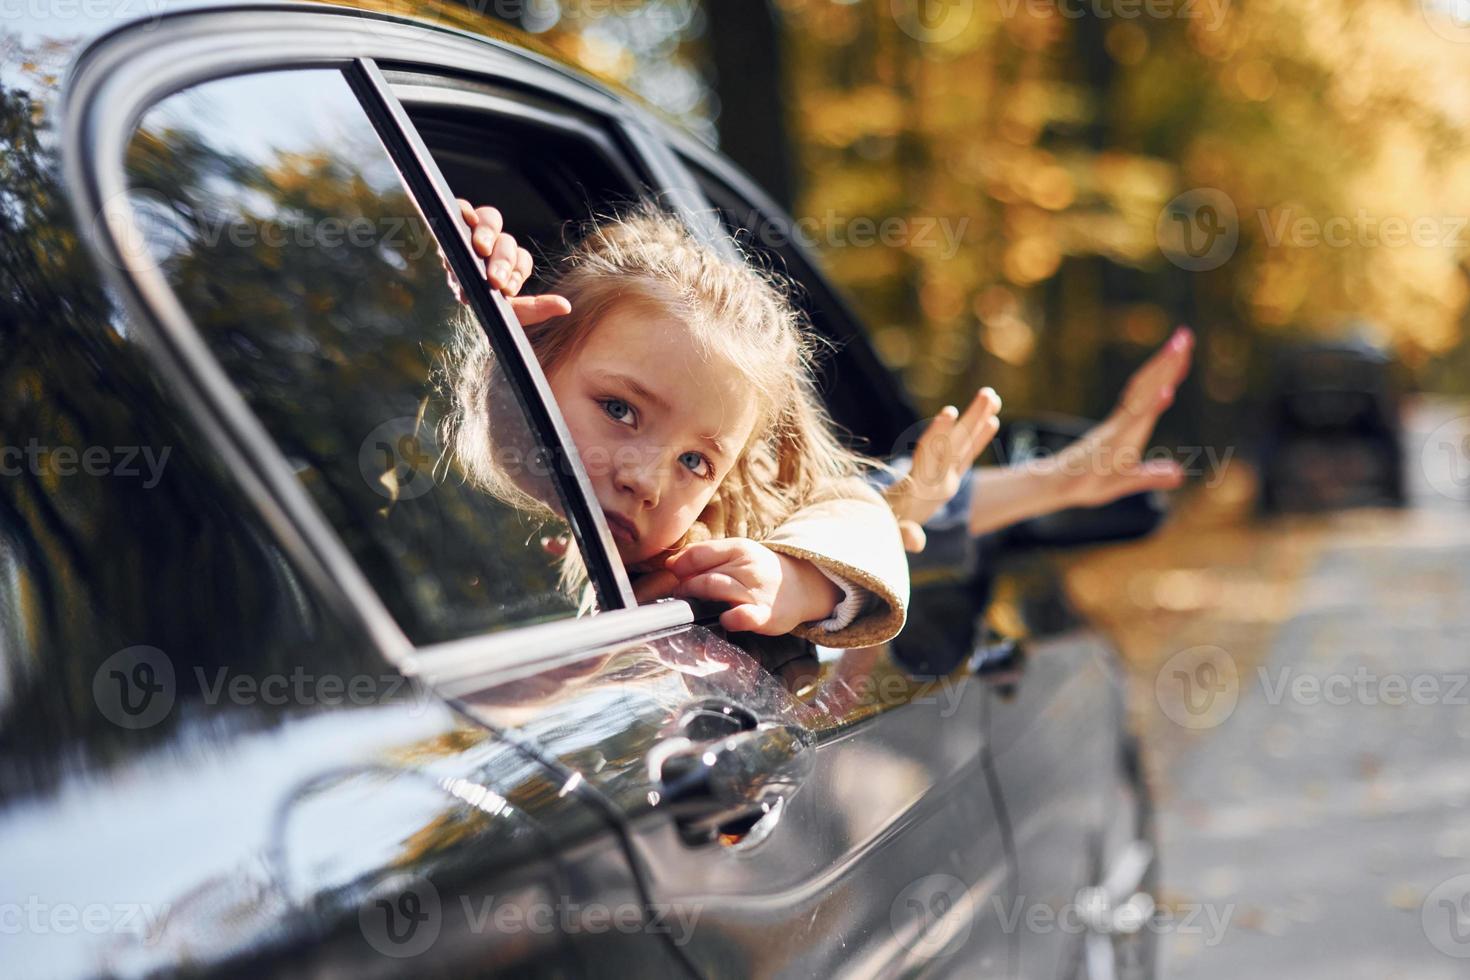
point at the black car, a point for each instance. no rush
(1334, 430)
(284, 695)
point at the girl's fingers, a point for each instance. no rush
(984, 405)
(981, 438)
(1165, 368)
(467, 212)
(536, 309)
(1156, 475)
(502, 261)
(520, 272)
(492, 222)
(979, 424)
(914, 538)
(931, 452)
(748, 618)
(655, 585)
(717, 586)
(705, 555)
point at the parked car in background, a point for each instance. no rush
(282, 694)
(1334, 432)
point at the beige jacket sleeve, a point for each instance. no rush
(852, 535)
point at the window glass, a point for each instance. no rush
(288, 235)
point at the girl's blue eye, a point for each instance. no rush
(618, 410)
(696, 463)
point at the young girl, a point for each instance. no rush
(685, 381)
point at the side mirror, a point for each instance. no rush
(1122, 520)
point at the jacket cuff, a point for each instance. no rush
(854, 602)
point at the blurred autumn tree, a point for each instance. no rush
(1063, 129)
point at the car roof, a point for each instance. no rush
(63, 37)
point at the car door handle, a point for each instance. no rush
(721, 788)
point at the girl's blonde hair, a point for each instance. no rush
(733, 310)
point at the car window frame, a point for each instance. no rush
(117, 79)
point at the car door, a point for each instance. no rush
(833, 818)
(1055, 731)
(263, 215)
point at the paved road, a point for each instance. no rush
(1320, 826)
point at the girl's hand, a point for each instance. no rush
(769, 593)
(944, 453)
(507, 265)
(1107, 463)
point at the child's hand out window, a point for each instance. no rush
(768, 593)
(943, 455)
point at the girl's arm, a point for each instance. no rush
(1102, 466)
(784, 583)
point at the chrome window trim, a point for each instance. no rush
(461, 667)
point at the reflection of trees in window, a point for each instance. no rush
(315, 281)
(96, 563)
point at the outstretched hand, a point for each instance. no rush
(942, 456)
(507, 265)
(1108, 462)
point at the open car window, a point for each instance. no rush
(286, 232)
(546, 166)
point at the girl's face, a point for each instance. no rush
(657, 426)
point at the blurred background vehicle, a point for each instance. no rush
(1334, 432)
